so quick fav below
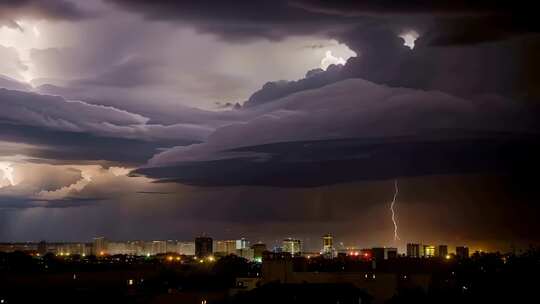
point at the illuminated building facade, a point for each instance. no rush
(242, 243)
(186, 248)
(292, 246)
(100, 246)
(225, 247)
(413, 250)
(328, 250)
(258, 250)
(429, 251)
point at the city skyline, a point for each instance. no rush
(325, 248)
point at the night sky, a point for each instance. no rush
(141, 119)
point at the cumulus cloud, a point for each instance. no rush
(61, 186)
(28, 178)
(506, 68)
(330, 59)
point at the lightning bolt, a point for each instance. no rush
(396, 191)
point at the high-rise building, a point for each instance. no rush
(462, 252)
(292, 246)
(135, 248)
(328, 250)
(220, 247)
(429, 251)
(441, 251)
(172, 246)
(258, 250)
(100, 246)
(117, 248)
(186, 248)
(225, 247)
(242, 243)
(413, 250)
(203, 246)
(158, 247)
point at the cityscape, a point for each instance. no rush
(269, 151)
(237, 271)
(205, 247)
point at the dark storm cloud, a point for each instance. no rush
(239, 19)
(7, 202)
(71, 130)
(507, 68)
(459, 22)
(312, 164)
(449, 22)
(314, 79)
(11, 10)
(63, 146)
(456, 7)
(362, 131)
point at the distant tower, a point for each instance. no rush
(258, 250)
(442, 251)
(328, 250)
(429, 251)
(100, 245)
(242, 243)
(292, 246)
(203, 247)
(413, 250)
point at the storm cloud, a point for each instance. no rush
(314, 137)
